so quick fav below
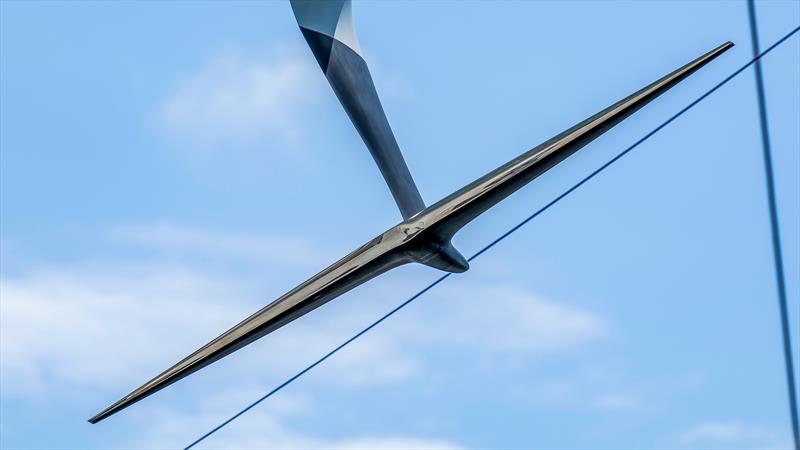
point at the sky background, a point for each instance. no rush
(169, 168)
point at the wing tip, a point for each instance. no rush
(119, 405)
(105, 413)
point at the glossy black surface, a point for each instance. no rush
(424, 237)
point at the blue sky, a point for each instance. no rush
(169, 168)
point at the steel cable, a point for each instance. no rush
(494, 242)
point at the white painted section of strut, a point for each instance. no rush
(345, 29)
(321, 16)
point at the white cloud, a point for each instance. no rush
(236, 100)
(96, 327)
(391, 443)
(729, 434)
(260, 429)
(110, 328)
(259, 248)
(508, 318)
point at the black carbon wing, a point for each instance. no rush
(363, 264)
(448, 215)
(424, 237)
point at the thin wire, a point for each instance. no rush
(493, 243)
(774, 229)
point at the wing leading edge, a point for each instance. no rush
(424, 237)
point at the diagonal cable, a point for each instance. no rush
(774, 229)
(494, 242)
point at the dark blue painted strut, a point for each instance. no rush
(774, 227)
(496, 241)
